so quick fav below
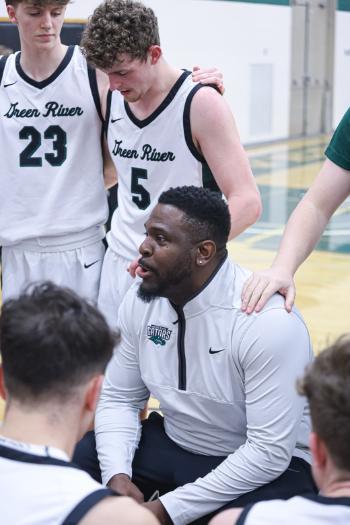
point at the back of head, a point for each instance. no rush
(326, 385)
(51, 342)
(119, 27)
(206, 213)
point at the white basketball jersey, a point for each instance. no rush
(51, 170)
(312, 510)
(39, 486)
(151, 156)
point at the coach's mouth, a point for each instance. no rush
(143, 270)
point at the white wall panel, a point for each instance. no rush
(234, 37)
(341, 98)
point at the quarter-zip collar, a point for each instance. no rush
(211, 292)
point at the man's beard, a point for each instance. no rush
(174, 279)
(147, 295)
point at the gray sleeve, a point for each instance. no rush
(117, 422)
(273, 353)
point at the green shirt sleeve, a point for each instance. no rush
(338, 150)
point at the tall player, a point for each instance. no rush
(52, 195)
(162, 132)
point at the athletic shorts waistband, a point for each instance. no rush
(61, 243)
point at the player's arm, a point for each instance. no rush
(109, 170)
(215, 134)
(303, 230)
(227, 517)
(119, 511)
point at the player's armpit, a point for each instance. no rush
(110, 176)
(103, 88)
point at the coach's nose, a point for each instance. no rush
(145, 248)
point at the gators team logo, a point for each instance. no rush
(159, 335)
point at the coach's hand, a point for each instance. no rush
(122, 484)
(159, 511)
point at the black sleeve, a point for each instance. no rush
(83, 507)
(242, 518)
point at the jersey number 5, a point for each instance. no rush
(140, 195)
(59, 146)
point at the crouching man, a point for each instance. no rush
(233, 430)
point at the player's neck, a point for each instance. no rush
(164, 78)
(40, 427)
(41, 64)
(337, 486)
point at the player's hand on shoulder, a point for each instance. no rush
(122, 484)
(260, 286)
(209, 75)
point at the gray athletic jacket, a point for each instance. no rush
(226, 386)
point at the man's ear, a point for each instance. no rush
(318, 450)
(11, 13)
(2, 384)
(155, 53)
(93, 392)
(205, 252)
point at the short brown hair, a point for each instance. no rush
(326, 384)
(117, 27)
(51, 342)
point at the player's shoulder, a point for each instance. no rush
(209, 109)
(288, 512)
(120, 510)
(206, 93)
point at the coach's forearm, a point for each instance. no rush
(118, 432)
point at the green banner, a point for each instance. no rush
(273, 2)
(344, 5)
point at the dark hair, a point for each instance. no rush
(326, 384)
(119, 27)
(51, 341)
(206, 213)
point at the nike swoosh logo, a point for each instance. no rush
(116, 119)
(215, 351)
(12, 83)
(91, 264)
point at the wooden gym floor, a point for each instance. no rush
(284, 171)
